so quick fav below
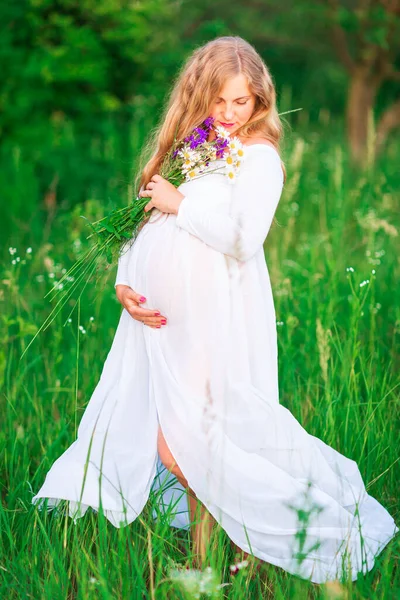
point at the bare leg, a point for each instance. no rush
(201, 520)
(202, 525)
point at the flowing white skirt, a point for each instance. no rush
(210, 379)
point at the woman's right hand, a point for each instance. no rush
(130, 300)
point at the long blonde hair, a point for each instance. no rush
(198, 82)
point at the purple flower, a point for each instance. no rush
(220, 145)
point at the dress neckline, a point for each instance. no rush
(246, 147)
(265, 145)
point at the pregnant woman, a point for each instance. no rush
(190, 383)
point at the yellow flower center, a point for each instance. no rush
(229, 160)
(240, 152)
(231, 175)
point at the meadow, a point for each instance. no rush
(333, 259)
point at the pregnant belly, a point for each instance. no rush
(177, 272)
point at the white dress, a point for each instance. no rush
(210, 378)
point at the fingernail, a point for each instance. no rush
(163, 321)
(142, 299)
(158, 326)
(157, 313)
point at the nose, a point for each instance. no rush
(228, 114)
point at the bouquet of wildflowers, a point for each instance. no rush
(189, 159)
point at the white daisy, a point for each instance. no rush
(187, 153)
(192, 173)
(231, 174)
(229, 161)
(222, 132)
(235, 145)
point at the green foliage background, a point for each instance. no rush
(82, 85)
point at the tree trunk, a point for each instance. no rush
(360, 103)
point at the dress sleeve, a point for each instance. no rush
(122, 270)
(255, 196)
(123, 261)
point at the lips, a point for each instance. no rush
(227, 124)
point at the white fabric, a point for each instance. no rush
(210, 378)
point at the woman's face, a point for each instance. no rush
(234, 104)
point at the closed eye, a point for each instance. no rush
(240, 103)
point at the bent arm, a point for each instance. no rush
(255, 197)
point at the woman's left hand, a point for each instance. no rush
(163, 194)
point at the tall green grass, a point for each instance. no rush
(333, 261)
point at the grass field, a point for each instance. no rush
(334, 265)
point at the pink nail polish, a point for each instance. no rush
(163, 321)
(157, 313)
(142, 299)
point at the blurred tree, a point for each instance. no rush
(351, 45)
(366, 37)
(76, 58)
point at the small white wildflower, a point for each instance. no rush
(51, 275)
(240, 153)
(195, 581)
(63, 271)
(12, 251)
(69, 320)
(231, 175)
(14, 262)
(279, 323)
(18, 259)
(364, 282)
(222, 132)
(376, 308)
(229, 161)
(240, 565)
(192, 173)
(29, 250)
(91, 319)
(233, 145)
(40, 278)
(350, 269)
(59, 286)
(373, 271)
(189, 156)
